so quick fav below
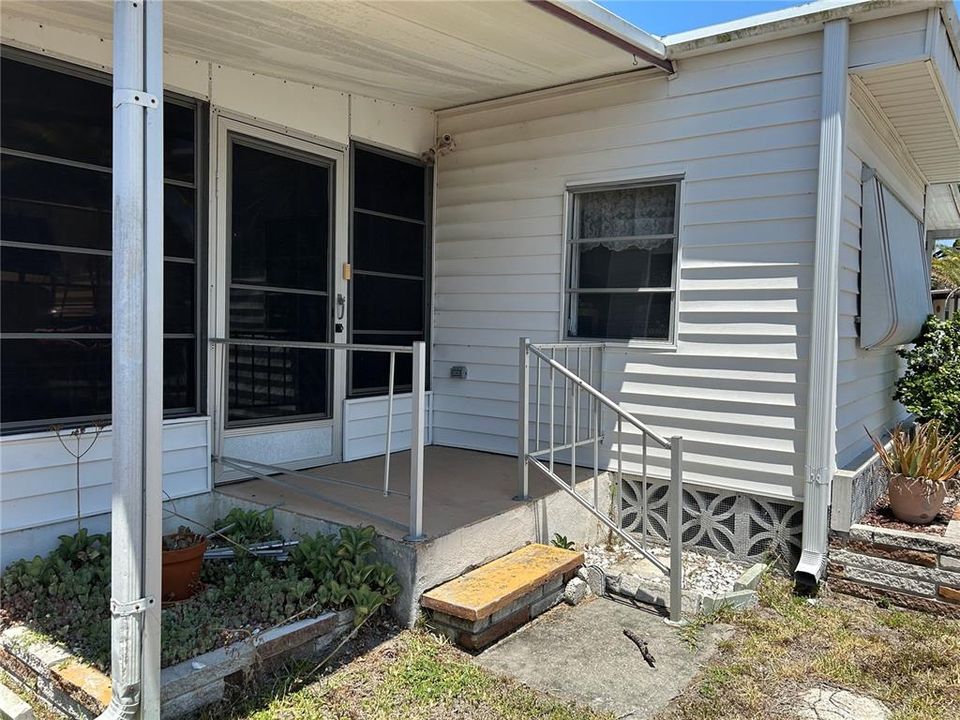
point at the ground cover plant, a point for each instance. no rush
(66, 594)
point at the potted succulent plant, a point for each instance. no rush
(922, 464)
(182, 556)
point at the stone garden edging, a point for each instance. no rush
(920, 571)
(83, 692)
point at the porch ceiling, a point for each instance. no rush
(911, 98)
(430, 54)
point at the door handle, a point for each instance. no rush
(341, 306)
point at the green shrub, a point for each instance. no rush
(66, 594)
(930, 387)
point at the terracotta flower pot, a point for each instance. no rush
(915, 501)
(181, 571)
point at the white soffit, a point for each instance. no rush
(430, 54)
(911, 99)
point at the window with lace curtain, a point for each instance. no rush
(622, 257)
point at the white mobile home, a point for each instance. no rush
(718, 236)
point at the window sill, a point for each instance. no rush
(648, 345)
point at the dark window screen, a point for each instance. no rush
(56, 241)
(622, 251)
(280, 231)
(389, 290)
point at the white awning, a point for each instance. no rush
(429, 54)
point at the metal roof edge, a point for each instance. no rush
(782, 23)
(606, 22)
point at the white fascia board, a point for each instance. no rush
(610, 22)
(784, 23)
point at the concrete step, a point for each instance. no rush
(480, 607)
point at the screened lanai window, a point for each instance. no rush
(55, 247)
(389, 252)
(621, 279)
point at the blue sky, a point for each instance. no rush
(662, 17)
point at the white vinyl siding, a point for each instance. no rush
(866, 379)
(742, 128)
(39, 476)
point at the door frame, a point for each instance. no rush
(222, 127)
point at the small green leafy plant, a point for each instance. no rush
(930, 386)
(561, 541)
(66, 594)
(246, 527)
(344, 570)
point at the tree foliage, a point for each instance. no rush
(930, 387)
(945, 269)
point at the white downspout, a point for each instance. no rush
(822, 380)
(137, 356)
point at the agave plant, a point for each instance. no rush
(926, 455)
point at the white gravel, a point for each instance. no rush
(705, 573)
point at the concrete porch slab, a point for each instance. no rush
(460, 488)
(580, 653)
(470, 516)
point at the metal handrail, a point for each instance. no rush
(572, 385)
(590, 390)
(417, 417)
(310, 345)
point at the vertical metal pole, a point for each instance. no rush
(644, 529)
(137, 358)
(417, 403)
(675, 506)
(523, 421)
(596, 454)
(153, 359)
(566, 393)
(386, 448)
(619, 471)
(536, 442)
(573, 429)
(553, 429)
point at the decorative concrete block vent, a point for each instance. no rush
(81, 691)
(914, 570)
(478, 608)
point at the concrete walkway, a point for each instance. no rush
(580, 653)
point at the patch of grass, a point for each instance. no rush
(908, 660)
(41, 711)
(415, 676)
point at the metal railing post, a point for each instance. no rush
(523, 421)
(387, 442)
(675, 506)
(417, 415)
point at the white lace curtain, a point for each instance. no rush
(628, 212)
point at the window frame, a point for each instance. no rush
(199, 261)
(427, 223)
(569, 290)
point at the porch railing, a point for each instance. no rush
(571, 417)
(269, 472)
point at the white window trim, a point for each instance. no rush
(569, 209)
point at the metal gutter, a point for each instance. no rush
(601, 23)
(822, 382)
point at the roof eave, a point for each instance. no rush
(782, 23)
(600, 22)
